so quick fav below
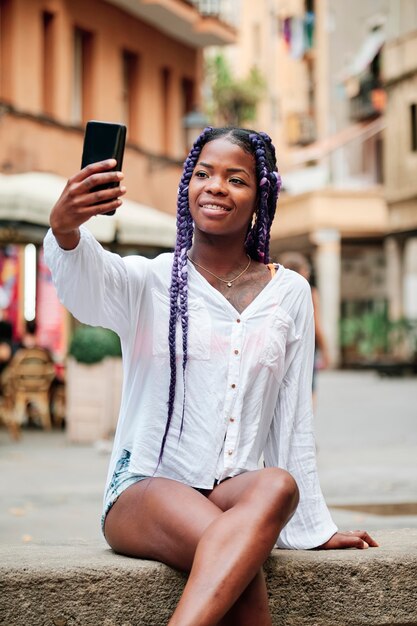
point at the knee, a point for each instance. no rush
(279, 491)
(283, 485)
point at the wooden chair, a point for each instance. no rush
(27, 380)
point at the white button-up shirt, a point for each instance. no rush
(248, 376)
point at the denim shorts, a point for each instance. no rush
(121, 480)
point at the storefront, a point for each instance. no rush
(26, 289)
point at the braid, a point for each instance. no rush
(179, 282)
(257, 241)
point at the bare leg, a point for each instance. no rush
(242, 538)
(252, 607)
(223, 539)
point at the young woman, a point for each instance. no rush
(218, 352)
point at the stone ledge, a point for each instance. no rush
(82, 584)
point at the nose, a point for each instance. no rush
(215, 185)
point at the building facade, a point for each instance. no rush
(400, 75)
(64, 63)
(324, 108)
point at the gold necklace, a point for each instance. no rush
(229, 283)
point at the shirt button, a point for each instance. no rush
(233, 386)
(236, 351)
(232, 419)
(238, 320)
(230, 452)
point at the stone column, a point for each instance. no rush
(328, 272)
(393, 257)
(410, 278)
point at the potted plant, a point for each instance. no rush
(371, 339)
(94, 384)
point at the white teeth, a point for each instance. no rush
(214, 207)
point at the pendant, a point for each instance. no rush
(229, 284)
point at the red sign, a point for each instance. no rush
(50, 314)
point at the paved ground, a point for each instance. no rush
(366, 426)
(366, 431)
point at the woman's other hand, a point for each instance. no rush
(359, 539)
(78, 202)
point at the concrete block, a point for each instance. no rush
(82, 584)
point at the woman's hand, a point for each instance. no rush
(351, 539)
(78, 203)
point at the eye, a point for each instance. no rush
(201, 174)
(237, 181)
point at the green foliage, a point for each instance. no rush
(234, 101)
(373, 334)
(92, 344)
(368, 333)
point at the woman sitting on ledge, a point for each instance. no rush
(218, 349)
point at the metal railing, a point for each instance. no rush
(225, 10)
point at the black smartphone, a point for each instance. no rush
(104, 140)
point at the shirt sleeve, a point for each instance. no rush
(92, 283)
(291, 443)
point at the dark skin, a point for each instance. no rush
(239, 519)
(251, 285)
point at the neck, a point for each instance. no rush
(220, 257)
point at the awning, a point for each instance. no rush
(29, 198)
(367, 52)
(319, 149)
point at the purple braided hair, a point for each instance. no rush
(257, 240)
(269, 181)
(179, 280)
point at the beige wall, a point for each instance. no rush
(28, 141)
(113, 31)
(400, 69)
(28, 145)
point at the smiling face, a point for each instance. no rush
(223, 189)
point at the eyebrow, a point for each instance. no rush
(233, 170)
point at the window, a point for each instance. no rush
(82, 76)
(166, 78)
(130, 93)
(48, 23)
(413, 120)
(188, 101)
(5, 49)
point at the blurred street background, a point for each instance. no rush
(366, 438)
(334, 84)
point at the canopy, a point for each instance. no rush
(29, 197)
(366, 53)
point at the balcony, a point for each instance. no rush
(400, 58)
(220, 9)
(193, 22)
(353, 213)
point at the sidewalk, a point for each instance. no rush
(366, 430)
